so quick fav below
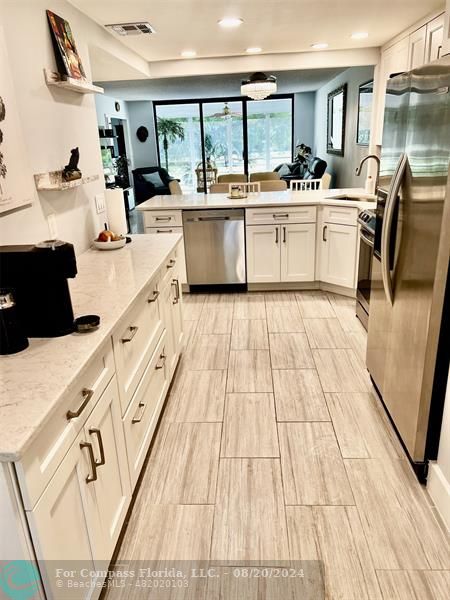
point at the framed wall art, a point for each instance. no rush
(337, 106)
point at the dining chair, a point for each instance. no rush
(273, 186)
(232, 178)
(265, 176)
(246, 188)
(305, 185)
(219, 188)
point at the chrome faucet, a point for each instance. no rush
(375, 157)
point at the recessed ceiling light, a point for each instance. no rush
(189, 54)
(254, 50)
(319, 46)
(230, 22)
(360, 35)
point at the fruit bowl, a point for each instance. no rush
(110, 245)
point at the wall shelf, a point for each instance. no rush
(80, 86)
(53, 181)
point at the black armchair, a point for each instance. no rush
(313, 168)
(149, 182)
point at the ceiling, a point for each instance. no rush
(275, 25)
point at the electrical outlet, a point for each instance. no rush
(100, 203)
(52, 227)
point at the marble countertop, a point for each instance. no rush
(359, 199)
(34, 381)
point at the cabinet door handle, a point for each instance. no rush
(439, 51)
(93, 477)
(140, 410)
(133, 331)
(276, 235)
(97, 432)
(324, 233)
(154, 297)
(160, 365)
(284, 235)
(87, 395)
(171, 263)
(176, 285)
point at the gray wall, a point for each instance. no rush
(304, 126)
(342, 167)
(144, 153)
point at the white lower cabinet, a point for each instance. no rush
(280, 253)
(298, 242)
(263, 253)
(338, 254)
(173, 318)
(77, 521)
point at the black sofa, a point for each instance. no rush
(313, 168)
(143, 190)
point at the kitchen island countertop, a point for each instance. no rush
(359, 199)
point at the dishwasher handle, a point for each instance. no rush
(197, 219)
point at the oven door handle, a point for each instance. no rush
(386, 232)
(366, 239)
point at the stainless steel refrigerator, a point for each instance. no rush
(408, 334)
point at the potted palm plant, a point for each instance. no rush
(170, 131)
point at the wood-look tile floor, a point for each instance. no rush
(273, 447)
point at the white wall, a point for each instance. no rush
(342, 167)
(53, 121)
(145, 154)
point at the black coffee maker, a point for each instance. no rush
(37, 276)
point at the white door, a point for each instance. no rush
(298, 243)
(417, 48)
(263, 253)
(65, 523)
(435, 38)
(338, 254)
(104, 431)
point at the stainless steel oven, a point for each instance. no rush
(366, 248)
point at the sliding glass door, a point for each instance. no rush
(179, 142)
(199, 140)
(269, 124)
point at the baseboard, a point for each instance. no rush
(274, 287)
(439, 489)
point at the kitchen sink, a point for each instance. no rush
(362, 198)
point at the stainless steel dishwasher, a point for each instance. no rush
(214, 242)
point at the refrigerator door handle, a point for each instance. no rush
(386, 232)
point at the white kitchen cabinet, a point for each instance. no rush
(417, 40)
(173, 319)
(434, 38)
(65, 523)
(263, 253)
(180, 248)
(298, 242)
(104, 431)
(338, 254)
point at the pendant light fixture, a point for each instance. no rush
(258, 86)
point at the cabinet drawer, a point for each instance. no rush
(142, 415)
(175, 263)
(135, 340)
(45, 454)
(164, 229)
(179, 251)
(166, 218)
(282, 214)
(344, 215)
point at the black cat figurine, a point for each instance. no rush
(71, 171)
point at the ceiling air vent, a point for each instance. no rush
(131, 28)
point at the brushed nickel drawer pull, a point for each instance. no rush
(97, 432)
(154, 297)
(92, 477)
(171, 263)
(163, 218)
(163, 357)
(133, 331)
(138, 419)
(280, 215)
(164, 231)
(87, 395)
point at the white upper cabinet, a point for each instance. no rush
(434, 38)
(417, 42)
